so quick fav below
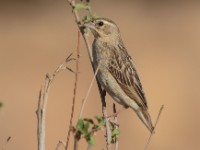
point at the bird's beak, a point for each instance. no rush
(90, 25)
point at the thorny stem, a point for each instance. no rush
(75, 90)
(102, 95)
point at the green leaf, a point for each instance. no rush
(94, 16)
(89, 120)
(80, 125)
(86, 127)
(90, 139)
(95, 127)
(100, 120)
(83, 127)
(115, 132)
(79, 6)
(1, 105)
(86, 19)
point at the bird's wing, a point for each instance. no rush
(122, 69)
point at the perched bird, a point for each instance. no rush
(117, 74)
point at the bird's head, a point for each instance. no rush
(103, 28)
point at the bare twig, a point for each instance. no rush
(88, 147)
(60, 143)
(102, 93)
(82, 107)
(117, 112)
(159, 113)
(75, 90)
(6, 142)
(115, 120)
(42, 104)
(87, 94)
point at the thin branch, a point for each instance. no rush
(60, 143)
(78, 22)
(42, 105)
(89, 147)
(6, 142)
(75, 90)
(150, 137)
(88, 92)
(102, 93)
(76, 139)
(115, 120)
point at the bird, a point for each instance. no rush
(116, 72)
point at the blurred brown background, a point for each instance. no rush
(162, 37)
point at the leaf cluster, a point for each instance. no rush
(86, 6)
(87, 127)
(115, 132)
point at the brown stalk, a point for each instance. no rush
(102, 93)
(157, 119)
(75, 90)
(42, 103)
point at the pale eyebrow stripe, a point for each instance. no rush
(108, 23)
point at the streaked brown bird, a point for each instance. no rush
(117, 74)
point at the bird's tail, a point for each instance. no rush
(146, 119)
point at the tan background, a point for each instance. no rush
(163, 39)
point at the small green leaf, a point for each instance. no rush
(115, 132)
(90, 139)
(79, 6)
(89, 120)
(83, 127)
(100, 120)
(1, 105)
(86, 127)
(80, 125)
(94, 16)
(86, 19)
(95, 127)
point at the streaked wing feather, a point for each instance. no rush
(122, 69)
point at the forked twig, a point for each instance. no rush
(150, 137)
(5, 143)
(60, 143)
(42, 105)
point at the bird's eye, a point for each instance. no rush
(100, 23)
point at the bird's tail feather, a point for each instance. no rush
(146, 119)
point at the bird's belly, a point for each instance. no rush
(112, 87)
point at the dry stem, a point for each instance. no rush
(159, 113)
(42, 103)
(60, 143)
(115, 120)
(102, 93)
(5, 143)
(87, 94)
(75, 90)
